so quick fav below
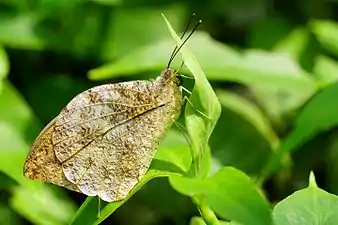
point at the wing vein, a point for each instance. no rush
(112, 127)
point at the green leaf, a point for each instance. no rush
(12, 152)
(230, 193)
(45, 207)
(155, 56)
(256, 68)
(251, 113)
(204, 99)
(19, 32)
(274, 68)
(282, 86)
(326, 69)
(311, 205)
(326, 32)
(16, 120)
(4, 66)
(14, 110)
(279, 101)
(172, 158)
(318, 115)
(220, 62)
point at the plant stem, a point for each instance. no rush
(207, 214)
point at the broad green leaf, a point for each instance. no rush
(19, 32)
(251, 113)
(279, 101)
(4, 66)
(290, 85)
(276, 68)
(12, 152)
(16, 119)
(311, 205)
(256, 68)
(14, 110)
(41, 205)
(318, 115)
(204, 99)
(326, 69)
(155, 56)
(172, 158)
(45, 207)
(326, 32)
(230, 193)
(220, 62)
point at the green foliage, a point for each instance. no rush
(45, 206)
(271, 120)
(238, 201)
(4, 67)
(311, 205)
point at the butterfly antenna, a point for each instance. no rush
(178, 49)
(185, 31)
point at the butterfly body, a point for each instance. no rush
(103, 141)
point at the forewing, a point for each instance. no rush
(92, 113)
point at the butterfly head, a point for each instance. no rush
(169, 75)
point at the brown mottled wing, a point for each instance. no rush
(42, 164)
(106, 137)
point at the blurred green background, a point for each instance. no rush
(273, 65)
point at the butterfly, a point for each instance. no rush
(103, 141)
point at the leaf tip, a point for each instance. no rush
(165, 18)
(312, 180)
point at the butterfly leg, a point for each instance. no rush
(184, 76)
(181, 75)
(186, 99)
(183, 131)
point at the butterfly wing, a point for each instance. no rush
(42, 164)
(106, 137)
